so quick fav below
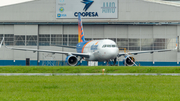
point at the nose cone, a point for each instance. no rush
(112, 53)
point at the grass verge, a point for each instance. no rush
(89, 88)
(86, 69)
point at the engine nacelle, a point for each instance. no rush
(71, 60)
(128, 61)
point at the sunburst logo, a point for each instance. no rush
(61, 9)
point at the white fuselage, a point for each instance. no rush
(101, 50)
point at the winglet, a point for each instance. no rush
(2, 42)
(176, 43)
(80, 30)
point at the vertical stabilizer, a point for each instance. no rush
(80, 30)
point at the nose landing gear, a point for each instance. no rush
(112, 63)
(115, 60)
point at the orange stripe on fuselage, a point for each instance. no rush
(85, 46)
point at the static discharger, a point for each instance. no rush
(103, 70)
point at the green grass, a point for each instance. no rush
(89, 88)
(86, 69)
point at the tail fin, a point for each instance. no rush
(80, 30)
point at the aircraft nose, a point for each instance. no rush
(112, 53)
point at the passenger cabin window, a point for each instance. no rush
(104, 46)
(108, 46)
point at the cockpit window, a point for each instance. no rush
(113, 45)
(108, 45)
(103, 46)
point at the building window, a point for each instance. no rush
(19, 40)
(56, 39)
(122, 43)
(147, 44)
(170, 43)
(44, 40)
(134, 44)
(159, 43)
(98, 38)
(88, 39)
(73, 40)
(31, 40)
(64, 39)
(1, 36)
(9, 39)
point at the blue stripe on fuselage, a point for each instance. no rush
(80, 46)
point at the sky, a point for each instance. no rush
(11, 2)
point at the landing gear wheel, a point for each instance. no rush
(115, 60)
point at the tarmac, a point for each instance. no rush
(87, 74)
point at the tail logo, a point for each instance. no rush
(87, 3)
(80, 30)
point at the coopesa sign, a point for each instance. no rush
(87, 8)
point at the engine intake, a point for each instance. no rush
(71, 60)
(128, 61)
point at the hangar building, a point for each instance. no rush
(136, 25)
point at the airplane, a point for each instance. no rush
(94, 50)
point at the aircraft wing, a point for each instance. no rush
(51, 51)
(47, 51)
(73, 47)
(149, 51)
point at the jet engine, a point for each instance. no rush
(129, 60)
(71, 60)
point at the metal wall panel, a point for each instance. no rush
(17, 55)
(146, 31)
(133, 31)
(71, 29)
(165, 56)
(6, 29)
(98, 31)
(171, 31)
(50, 29)
(122, 31)
(88, 31)
(6, 54)
(1, 29)
(144, 57)
(159, 31)
(56, 29)
(178, 30)
(110, 31)
(44, 29)
(178, 57)
(25, 29)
